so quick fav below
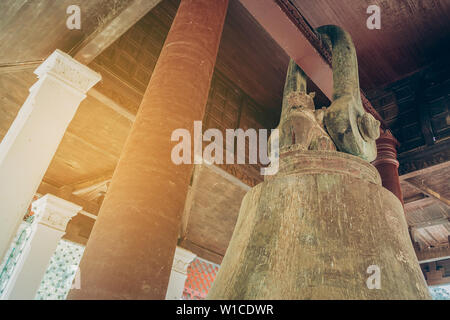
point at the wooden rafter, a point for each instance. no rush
(414, 198)
(424, 171)
(200, 251)
(19, 66)
(430, 223)
(111, 104)
(89, 207)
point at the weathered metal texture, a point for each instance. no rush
(312, 234)
(293, 161)
(352, 129)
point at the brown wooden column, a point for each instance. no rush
(130, 251)
(387, 163)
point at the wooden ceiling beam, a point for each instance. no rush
(424, 116)
(111, 83)
(293, 41)
(19, 66)
(424, 159)
(433, 254)
(418, 203)
(425, 171)
(95, 44)
(418, 197)
(439, 281)
(430, 223)
(102, 38)
(419, 184)
(97, 95)
(200, 251)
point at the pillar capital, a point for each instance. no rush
(63, 67)
(55, 212)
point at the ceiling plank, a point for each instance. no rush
(419, 204)
(97, 148)
(9, 9)
(424, 157)
(200, 251)
(415, 198)
(19, 66)
(293, 41)
(98, 41)
(424, 116)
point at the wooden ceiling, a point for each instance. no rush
(211, 212)
(31, 29)
(413, 34)
(127, 65)
(437, 272)
(248, 57)
(404, 69)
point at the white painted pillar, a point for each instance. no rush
(52, 214)
(31, 142)
(178, 277)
